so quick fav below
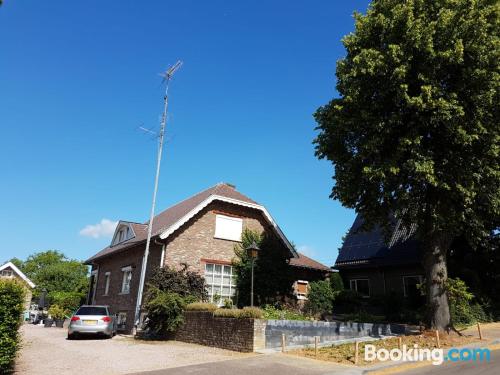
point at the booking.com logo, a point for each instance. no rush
(436, 356)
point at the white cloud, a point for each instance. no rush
(306, 250)
(105, 228)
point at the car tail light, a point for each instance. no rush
(74, 318)
(106, 319)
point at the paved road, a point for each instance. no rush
(278, 364)
(462, 368)
(273, 364)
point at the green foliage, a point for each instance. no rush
(415, 131)
(336, 282)
(463, 310)
(348, 300)
(11, 309)
(245, 313)
(57, 312)
(273, 276)
(201, 306)
(169, 292)
(164, 310)
(51, 270)
(68, 301)
(275, 313)
(320, 297)
(183, 282)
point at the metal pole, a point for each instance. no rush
(251, 287)
(168, 76)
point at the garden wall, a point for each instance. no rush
(248, 335)
(201, 327)
(299, 332)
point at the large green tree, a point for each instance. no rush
(415, 130)
(53, 271)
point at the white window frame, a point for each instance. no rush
(301, 295)
(211, 285)
(221, 232)
(121, 319)
(419, 277)
(107, 277)
(355, 283)
(126, 280)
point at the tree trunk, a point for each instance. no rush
(436, 274)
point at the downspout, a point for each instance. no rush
(163, 248)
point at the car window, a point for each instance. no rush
(91, 310)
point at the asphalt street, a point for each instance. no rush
(289, 365)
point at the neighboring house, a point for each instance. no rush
(200, 231)
(375, 265)
(10, 271)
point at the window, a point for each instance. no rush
(362, 286)
(228, 228)
(221, 282)
(410, 285)
(123, 233)
(107, 276)
(7, 273)
(121, 320)
(127, 276)
(301, 289)
(92, 310)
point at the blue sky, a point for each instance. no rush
(77, 79)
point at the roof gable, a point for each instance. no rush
(171, 219)
(18, 272)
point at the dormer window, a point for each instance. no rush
(123, 233)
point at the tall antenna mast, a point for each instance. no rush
(167, 76)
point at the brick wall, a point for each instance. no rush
(117, 301)
(243, 335)
(195, 240)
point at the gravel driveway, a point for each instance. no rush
(46, 351)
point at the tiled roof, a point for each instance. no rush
(305, 262)
(373, 248)
(171, 215)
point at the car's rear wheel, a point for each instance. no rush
(71, 336)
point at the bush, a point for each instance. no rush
(69, 301)
(320, 297)
(336, 282)
(182, 282)
(57, 312)
(201, 306)
(246, 312)
(275, 313)
(164, 311)
(11, 309)
(348, 300)
(251, 312)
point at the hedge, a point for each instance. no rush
(11, 308)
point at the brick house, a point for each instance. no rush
(376, 265)
(200, 231)
(10, 271)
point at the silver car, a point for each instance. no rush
(91, 319)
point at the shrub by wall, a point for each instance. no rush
(11, 309)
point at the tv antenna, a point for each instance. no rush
(167, 76)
